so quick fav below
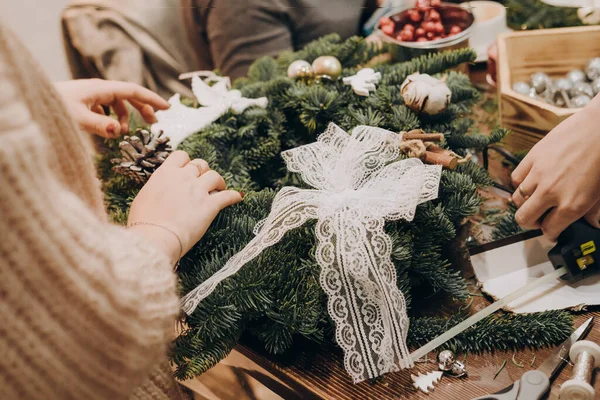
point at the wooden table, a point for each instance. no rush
(318, 373)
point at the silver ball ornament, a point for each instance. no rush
(522, 88)
(580, 88)
(458, 369)
(580, 101)
(596, 86)
(327, 67)
(563, 84)
(559, 98)
(445, 360)
(592, 70)
(299, 69)
(576, 75)
(541, 82)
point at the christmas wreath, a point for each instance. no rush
(277, 297)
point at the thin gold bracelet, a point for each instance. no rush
(168, 230)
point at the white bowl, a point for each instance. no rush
(490, 21)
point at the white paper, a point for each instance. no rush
(505, 269)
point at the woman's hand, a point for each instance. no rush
(559, 180)
(86, 97)
(183, 196)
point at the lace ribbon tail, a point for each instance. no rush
(291, 208)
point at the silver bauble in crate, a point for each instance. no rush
(458, 369)
(445, 360)
(540, 82)
(327, 67)
(522, 88)
(580, 88)
(562, 84)
(299, 69)
(580, 101)
(592, 70)
(559, 98)
(596, 86)
(576, 75)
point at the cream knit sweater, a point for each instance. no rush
(86, 308)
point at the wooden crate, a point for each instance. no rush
(521, 54)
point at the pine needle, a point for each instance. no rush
(532, 361)
(518, 364)
(466, 306)
(500, 370)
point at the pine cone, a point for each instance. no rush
(142, 154)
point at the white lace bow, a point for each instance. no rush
(358, 185)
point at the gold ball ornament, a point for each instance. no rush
(299, 69)
(327, 67)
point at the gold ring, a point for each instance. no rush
(523, 194)
(199, 167)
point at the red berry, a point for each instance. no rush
(388, 30)
(430, 35)
(439, 28)
(429, 26)
(422, 39)
(423, 4)
(383, 21)
(420, 32)
(436, 3)
(455, 29)
(414, 15)
(436, 38)
(407, 36)
(433, 15)
(408, 27)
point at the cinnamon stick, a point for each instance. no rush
(437, 149)
(426, 137)
(443, 159)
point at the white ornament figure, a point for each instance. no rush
(426, 382)
(423, 93)
(364, 81)
(589, 15)
(180, 121)
(357, 184)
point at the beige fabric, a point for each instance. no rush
(140, 41)
(87, 308)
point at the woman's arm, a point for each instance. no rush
(87, 308)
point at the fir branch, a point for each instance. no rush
(507, 226)
(476, 141)
(478, 175)
(510, 332)
(431, 64)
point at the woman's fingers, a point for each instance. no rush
(197, 167)
(593, 216)
(98, 109)
(532, 210)
(201, 164)
(226, 198)
(177, 159)
(122, 112)
(109, 91)
(525, 190)
(100, 125)
(211, 181)
(557, 220)
(522, 170)
(145, 110)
